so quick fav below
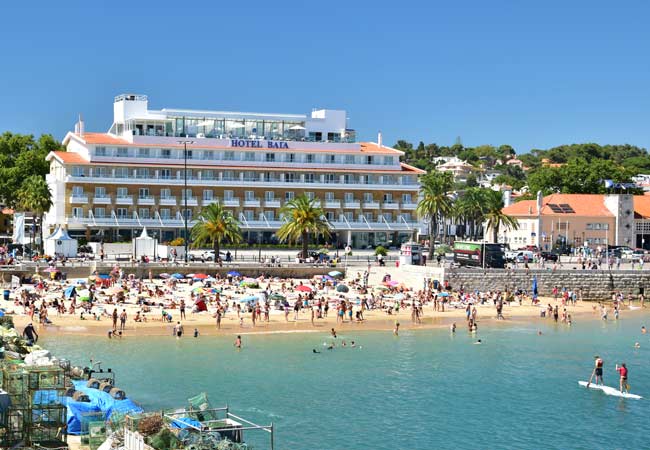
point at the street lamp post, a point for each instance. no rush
(186, 240)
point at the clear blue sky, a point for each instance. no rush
(530, 74)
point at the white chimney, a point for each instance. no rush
(379, 139)
(540, 200)
(81, 126)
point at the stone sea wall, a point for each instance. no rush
(595, 284)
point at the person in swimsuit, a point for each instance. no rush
(622, 371)
(238, 343)
(598, 370)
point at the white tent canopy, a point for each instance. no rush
(144, 245)
(60, 243)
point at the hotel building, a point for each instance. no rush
(109, 185)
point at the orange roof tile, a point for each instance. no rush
(412, 168)
(103, 138)
(522, 208)
(371, 147)
(642, 205)
(588, 205)
(69, 157)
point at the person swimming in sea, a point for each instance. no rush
(313, 350)
(452, 328)
(478, 342)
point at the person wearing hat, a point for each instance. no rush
(598, 370)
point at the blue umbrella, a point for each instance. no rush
(443, 294)
(250, 298)
(178, 276)
(104, 276)
(69, 291)
(234, 273)
(335, 273)
(2, 313)
(535, 285)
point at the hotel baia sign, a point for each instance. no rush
(258, 144)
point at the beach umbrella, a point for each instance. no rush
(2, 313)
(277, 297)
(400, 297)
(84, 295)
(393, 283)
(250, 298)
(164, 275)
(198, 290)
(200, 276)
(443, 294)
(303, 288)
(327, 277)
(342, 288)
(69, 291)
(234, 273)
(104, 276)
(178, 276)
(335, 273)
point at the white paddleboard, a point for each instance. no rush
(610, 390)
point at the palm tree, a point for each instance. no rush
(214, 226)
(435, 203)
(304, 217)
(34, 196)
(470, 208)
(494, 215)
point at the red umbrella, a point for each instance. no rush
(200, 276)
(303, 288)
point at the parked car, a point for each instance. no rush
(520, 256)
(207, 255)
(550, 256)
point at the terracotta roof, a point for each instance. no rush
(642, 206)
(588, 205)
(371, 147)
(68, 157)
(103, 138)
(412, 168)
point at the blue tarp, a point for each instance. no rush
(185, 422)
(100, 401)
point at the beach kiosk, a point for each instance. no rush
(410, 254)
(60, 243)
(144, 245)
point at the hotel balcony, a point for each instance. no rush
(409, 206)
(191, 201)
(78, 198)
(167, 201)
(252, 203)
(230, 202)
(370, 205)
(390, 205)
(333, 204)
(124, 200)
(209, 201)
(352, 205)
(102, 200)
(272, 203)
(146, 200)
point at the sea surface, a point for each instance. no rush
(426, 389)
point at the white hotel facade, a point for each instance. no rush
(110, 185)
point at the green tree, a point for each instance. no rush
(494, 215)
(34, 196)
(436, 202)
(214, 226)
(303, 217)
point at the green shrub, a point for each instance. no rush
(381, 251)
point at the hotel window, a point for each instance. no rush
(329, 196)
(330, 216)
(605, 226)
(250, 176)
(77, 191)
(315, 136)
(406, 198)
(289, 177)
(208, 154)
(100, 172)
(388, 160)
(78, 171)
(268, 176)
(190, 155)
(122, 213)
(330, 178)
(142, 173)
(100, 151)
(122, 152)
(77, 213)
(143, 153)
(165, 213)
(186, 192)
(228, 175)
(188, 214)
(249, 156)
(348, 179)
(367, 215)
(165, 193)
(330, 159)
(165, 153)
(249, 196)
(406, 216)
(207, 174)
(310, 158)
(348, 197)
(367, 197)
(309, 195)
(121, 172)
(99, 213)
(349, 159)
(143, 213)
(388, 198)
(143, 192)
(288, 196)
(370, 179)
(370, 159)
(229, 156)
(334, 137)
(270, 157)
(165, 174)
(228, 195)
(100, 192)
(208, 194)
(269, 196)
(349, 216)
(270, 215)
(122, 192)
(290, 157)
(249, 215)
(309, 178)
(388, 217)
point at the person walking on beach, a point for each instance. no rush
(218, 315)
(123, 320)
(182, 309)
(622, 371)
(178, 330)
(30, 334)
(598, 371)
(114, 319)
(396, 329)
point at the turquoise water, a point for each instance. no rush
(422, 390)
